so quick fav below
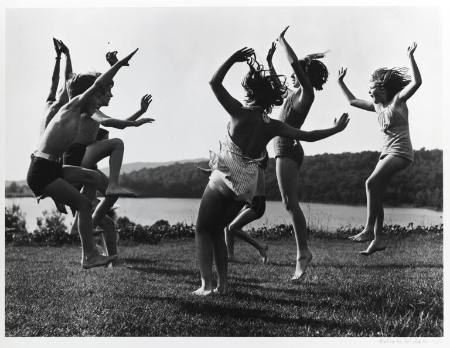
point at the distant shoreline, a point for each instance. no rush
(274, 200)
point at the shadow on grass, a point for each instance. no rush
(236, 314)
(361, 298)
(164, 271)
(363, 260)
(140, 261)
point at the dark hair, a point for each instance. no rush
(391, 80)
(79, 83)
(263, 89)
(316, 71)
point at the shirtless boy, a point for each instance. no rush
(87, 150)
(47, 177)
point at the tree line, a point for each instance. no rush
(325, 178)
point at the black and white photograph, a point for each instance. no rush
(238, 171)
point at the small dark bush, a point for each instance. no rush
(51, 230)
(15, 225)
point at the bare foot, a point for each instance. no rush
(201, 292)
(373, 247)
(263, 254)
(301, 266)
(364, 236)
(119, 191)
(97, 261)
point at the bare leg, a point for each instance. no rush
(203, 239)
(80, 175)
(373, 199)
(109, 234)
(376, 184)
(214, 212)
(106, 204)
(62, 191)
(229, 240)
(221, 259)
(114, 149)
(287, 173)
(244, 217)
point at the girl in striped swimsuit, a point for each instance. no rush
(389, 90)
(234, 177)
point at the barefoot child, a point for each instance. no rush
(309, 74)
(389, 90)
(235, 167)
(249, 212)
(47, 177)
(87, 150)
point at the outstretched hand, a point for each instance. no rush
(57, 47)
(111, 58)
(142, 121)
(411, 49)
(145, 102)
(124, 61)
(242, 54)
(271, 52)
(281, 36)
(342, 122)
(342, 72)
(63, 48)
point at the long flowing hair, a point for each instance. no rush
(391, 80)
(262, 88)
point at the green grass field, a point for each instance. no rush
(395, 293)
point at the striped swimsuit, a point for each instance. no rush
(393, 120)
(239, 173)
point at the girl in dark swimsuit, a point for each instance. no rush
(309, 74)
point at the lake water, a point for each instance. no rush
(146, 211)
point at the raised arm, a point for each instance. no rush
(55, 76)
(284, 130)
(273, 73)
(359, 103)
(63, 97)
(307, 93)
(416, 79)
(231, 105)
(108, 121)
(105, 78)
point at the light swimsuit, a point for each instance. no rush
(233, 171)
(393, 120)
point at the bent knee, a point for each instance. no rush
(372, 183)
(117, 143)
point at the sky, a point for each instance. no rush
(180, 49)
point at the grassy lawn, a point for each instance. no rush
(395, 293)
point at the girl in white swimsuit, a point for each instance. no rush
(389, 89)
